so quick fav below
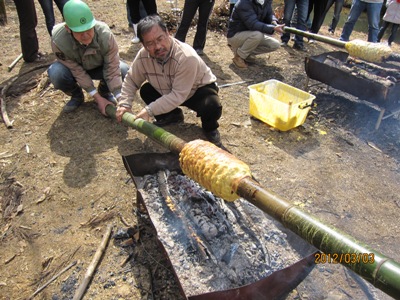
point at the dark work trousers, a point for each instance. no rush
(205, 102)
(189, 10)
(134, 9)
(336, 13)
(383, 28)
(27, 29)
(319, 7)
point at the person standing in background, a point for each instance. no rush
(302, 11)
(27, 30)
(373, 8)
(318, 8)
(48, 11)
(134, 10)
(391, 17)
(336, 13)
(189, 10)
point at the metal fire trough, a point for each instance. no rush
(217, 249)
(374, 83)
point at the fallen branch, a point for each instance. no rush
(6, 86)
(4, 114)
(52, 279)
(90, 271)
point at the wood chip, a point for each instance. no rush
(373, 146)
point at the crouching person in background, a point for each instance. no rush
(86, 50)
(250, 28)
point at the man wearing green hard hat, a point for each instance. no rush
(86, 50)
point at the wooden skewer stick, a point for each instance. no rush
(90, 271)
(10, 67)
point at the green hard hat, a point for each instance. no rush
(78, 16)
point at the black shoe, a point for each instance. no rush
(199, 52)
(73, 104)
(171, 118)
(299, 47)
(213, 137)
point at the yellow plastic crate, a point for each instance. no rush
(278, 104)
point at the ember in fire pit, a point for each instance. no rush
(375, 83)
(218, 250)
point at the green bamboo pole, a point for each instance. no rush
(165, 138)
(336, 246)
(316, 37)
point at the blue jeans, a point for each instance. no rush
(48, 11)
(302, 12)
(373, 13)
(62, 78)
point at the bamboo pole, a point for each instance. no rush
(380, 270)
(90, 271)
(316, 37)
(373, 52)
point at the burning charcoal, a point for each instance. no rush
(213, 244)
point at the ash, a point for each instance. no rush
(213, 245)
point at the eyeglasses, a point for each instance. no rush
(153, 44)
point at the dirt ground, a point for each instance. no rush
(62, 179)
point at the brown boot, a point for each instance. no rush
(239, 62)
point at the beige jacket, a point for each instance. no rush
(176, 79)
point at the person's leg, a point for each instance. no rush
(205, 102)
(357, 7)
(267, 44)
(134, 10)
(47, 8)
(382, 30)
(98, 74)
(27, 29)
(319, 15)
(149, 94)
(189, 10)
(336, 14)
(392, 36)
(245, 42)
(205, 9)
(374, 16)
(302, 10)
(60, 4)
(150, 6)
(62, 79)
(287, 17)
